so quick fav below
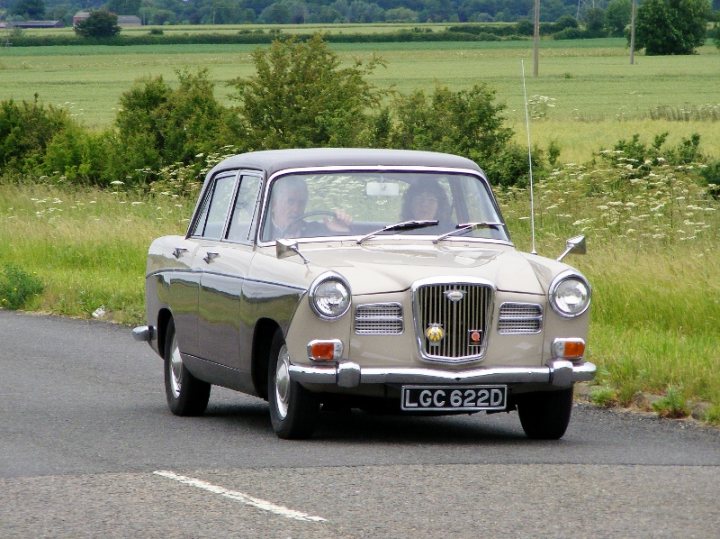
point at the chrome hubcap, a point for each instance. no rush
(282, 382)
(176, 365)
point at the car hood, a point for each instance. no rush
(382, 269)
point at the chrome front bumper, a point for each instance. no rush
(558, 373)
(143, 333)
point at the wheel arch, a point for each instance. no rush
(163, 318)
(262, 342)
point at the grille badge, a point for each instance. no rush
(434, 334)
(454, 295)
(475, 337)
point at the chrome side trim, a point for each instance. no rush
(350, 374)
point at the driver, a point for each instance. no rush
(288, 200)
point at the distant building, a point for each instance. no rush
(129, 20)
(123, 20)
(80, 16)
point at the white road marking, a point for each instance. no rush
(240, 497)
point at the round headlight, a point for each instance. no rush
(570, 295)
(330, 297)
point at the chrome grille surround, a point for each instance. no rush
(379, 319)
(438, 302)
(520, 319)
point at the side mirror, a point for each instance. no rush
(285, 248)
(574, 245)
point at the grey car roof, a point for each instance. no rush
(272, 161)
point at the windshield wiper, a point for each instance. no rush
(403, 225)
(462, 228)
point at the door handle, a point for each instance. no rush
(179, 251)
(209, 257)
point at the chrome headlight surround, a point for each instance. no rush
(569, 294)
(329, 296)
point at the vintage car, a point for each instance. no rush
(383, 280)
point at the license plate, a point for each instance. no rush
(422, 398)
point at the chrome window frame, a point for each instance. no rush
(378, 168)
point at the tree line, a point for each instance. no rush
(663, 26)
(159, 12)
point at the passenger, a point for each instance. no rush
(425, 201)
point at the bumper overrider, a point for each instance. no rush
(348, 374)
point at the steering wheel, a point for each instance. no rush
(303, 217)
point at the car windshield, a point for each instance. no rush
(376, 204)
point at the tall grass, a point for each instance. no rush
(87, 246)
(653, 263)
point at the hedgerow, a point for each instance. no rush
(300, 96)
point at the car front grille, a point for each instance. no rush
(519, 318)
(452, 320)
(379, 319)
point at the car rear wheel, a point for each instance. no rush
(293, 409)
(545, 415)
(186, 395)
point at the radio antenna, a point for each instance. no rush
(527, 129)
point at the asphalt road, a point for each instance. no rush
(89, 449)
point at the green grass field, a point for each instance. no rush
(598, 96)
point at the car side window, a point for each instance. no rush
(214, 214)
(245, 205)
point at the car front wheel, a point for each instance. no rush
(545, 415)
(186, 395)
(293, 409)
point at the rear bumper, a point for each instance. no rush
(347, 374)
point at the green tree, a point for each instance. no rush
(26, 129)
(617, 17)
(301, 96)
(158, 125)
(28, 9)
(594, 20)
(467, 122)
(671, 26)
(124, 7)
(99, 24)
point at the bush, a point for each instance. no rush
(467, 122)
(26, 129)
(99, 24)
(643, 157)
(158, 126)
(76, 155)
(673, 404)
(302, 97)
(711, 174)
(671, 26)
(17, 287)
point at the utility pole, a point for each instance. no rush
(536, 39)
(633, 12)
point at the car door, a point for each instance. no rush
(224, 264)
